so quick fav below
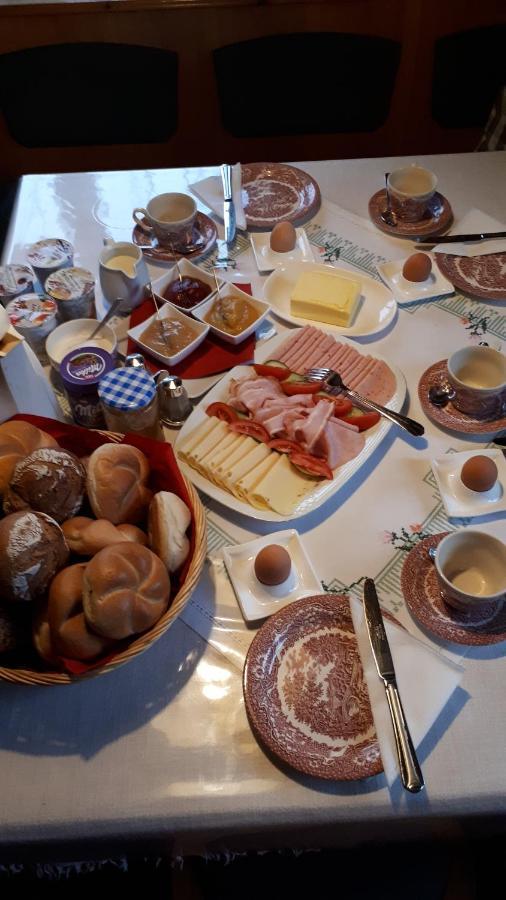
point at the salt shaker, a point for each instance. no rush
(134, 361)
(175, 405)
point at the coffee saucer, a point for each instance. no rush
(203, 239)
(437, 219)
(486, 625)
(448, 416)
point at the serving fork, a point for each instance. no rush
(334, 381)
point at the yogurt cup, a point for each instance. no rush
(15, 280)
(81, 371)
(34, 317)
(73, 290)
(49, 256)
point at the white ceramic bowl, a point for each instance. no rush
(76, 333)
(188, 270)
(231, 290)
(170, 312)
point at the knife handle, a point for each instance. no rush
(411, 773)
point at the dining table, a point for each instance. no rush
(160, 752)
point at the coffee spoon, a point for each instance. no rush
(388, 215)
(441, 394)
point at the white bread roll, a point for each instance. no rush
(116, 483)
(126, 589)
(87, 536)
(168, 520)
(17, 440)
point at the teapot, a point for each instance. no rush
(123, 273)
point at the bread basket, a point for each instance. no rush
(28, 676)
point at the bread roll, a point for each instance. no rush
(70, 634)
(117, 476)
(168, 520)
(32, 550)
(49, 480)
(41, 637)
(87, 536)
(17, 440)
(126, 589)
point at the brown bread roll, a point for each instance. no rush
(71, 636)
(87, 536)
(117, 476)
(49, 480)
(41, 637)
(32, 550)
(17, 440)
(168, 519)
(126, 589)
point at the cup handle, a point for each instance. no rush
(140, 222)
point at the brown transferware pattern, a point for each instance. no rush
(203, 240)
(448, 416)
(275, 192)
(437, 219)
(479, 276)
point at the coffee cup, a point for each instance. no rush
(478, 376)
(471, 569)
(169, 217)
(411, 189)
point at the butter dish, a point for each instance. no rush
(256, 600)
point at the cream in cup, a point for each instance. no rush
(411, 189)
(478, 376)
(48, 256)
(471, 569)
(169, 216)
(74, 292)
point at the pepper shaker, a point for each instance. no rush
(175, 405)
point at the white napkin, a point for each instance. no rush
(425, 678)
(475, 220)
(210, 191)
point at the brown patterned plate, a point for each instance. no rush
(437, 219)
(423, 599)
(273, 192)
(203, 240)
(305, 691)
(480, 276)
(448, 416)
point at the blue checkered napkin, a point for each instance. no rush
(128, 388)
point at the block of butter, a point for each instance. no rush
(326, 297)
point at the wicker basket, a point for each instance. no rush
(31, 676)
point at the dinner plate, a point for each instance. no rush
(450, 417)
(486, 625)
(323, 490)
(305, 692)
(275, 192)
(377, 305)
(479, 276)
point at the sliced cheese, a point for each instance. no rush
(211, 440)
(223, 470)
(245, 465)
(197, 436)
(325, 297)
(282, 487)
(243, 489)
(220, 454)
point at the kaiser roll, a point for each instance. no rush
(48, 480)
(168, 520)
(126, 589)
(17, 440)
(32, 549)
(117, 476)
(70, 634)
(87, 536)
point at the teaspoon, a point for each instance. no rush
(388, 215)
(441, 394)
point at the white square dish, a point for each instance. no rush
(459, 501)
(170, 312)
(188, 270)
(267, 259)
(404, 291)
(257, 600)
(230, 290)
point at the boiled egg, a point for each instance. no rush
(283, 237)
(272, 564)
(479, 473)
(417, 267)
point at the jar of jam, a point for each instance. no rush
(81, 371)
(130, 402)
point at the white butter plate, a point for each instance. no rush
(404, 291)
(257, 600)
(323, 490)
(376, 309)
(267, 259)
(459, 501)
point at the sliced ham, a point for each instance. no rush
(338, 444)
(315, 354)
(291, 343)
(275, 424)
(306, 350)
(379, 383)
(307, 431)
(307, 336)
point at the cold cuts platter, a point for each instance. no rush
(263, 447)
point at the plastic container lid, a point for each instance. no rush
(31, 311)
(70, 284)
(82, 369)
(49, 253)
(127, 389)
(15, 279)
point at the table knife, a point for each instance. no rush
(461, 238)
(228, 203)
(411, 774)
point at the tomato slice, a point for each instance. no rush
(272, 371)
(284, 446)
(290, 388)
(342, 406)
(363, 421)
(222, 411)
(311, 465)
(252, 429)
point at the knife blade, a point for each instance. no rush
(461, 238)
(411, 774)
(228, 203)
